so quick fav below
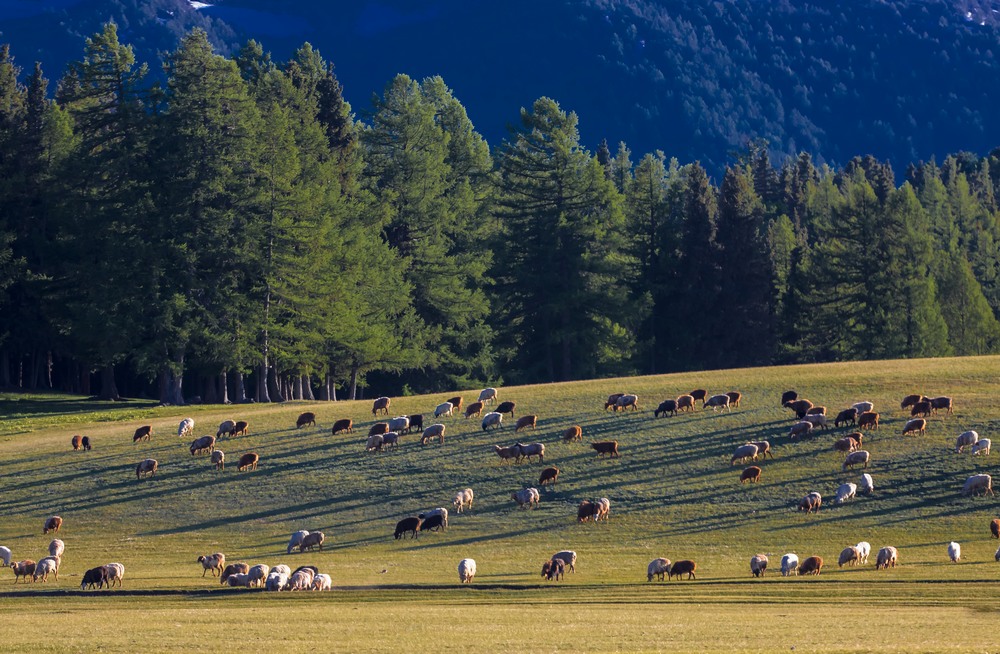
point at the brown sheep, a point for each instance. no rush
(788, 396)
(816, 411)
(811, 502)
(910, 400)
(915, 426)
(800, 407)
(679, 568)
(921, 409)
(76, 441)
(811, 566)
(846, 445)
(231, 569)
(202, 444)
(845, 416)
(142, 433)
(456, 402)
(628, 401)
(942, 403)
(343, 425)
(685, 402)
(474, 409)
(587, 510)
(508, 453)
(213, 562)
(25, 568)
(311, 540)
(868, 419)
(612, 402)
(574, 433)
(554, 569)
(995, 527)
(52, 524)
(378, 428)
(734, 398)
(219, 459)
(507, 407)
(857, 437)
(751, 474)
(146, 467)
(307, 418)
(524, 422)
(381, 405)
(699, 394)
(548, 476)
(248, 461)
(241, 428)
(763, 449)
(849, 556)
(606, 447)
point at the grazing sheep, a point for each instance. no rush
(811, 502)
(954, 551)
(239, 580)
(685, 402)
(76, 441)
(301, 579)
(915, 426)
(849, 556)
(854, 458)
(568, 557)
(845, 445)
(241, 428)
(800, 407)
(734, 398)
(474, 409)
(657, 568)
(507, 407)
(587, 510)
(864, 550)
(603, 509)
(434, 431)
(532, 449)
(868, 419)
(466, 571)
(921, 409)
(282, 569)
(233, 569)
(816, 411)
(857, 437)
(390, 440)
(811, 566)
(628, 401)
(556, 569)
(203, 444)
(758, 565)
(307, 418)
(789, 565)
(867, 484)
(887, 558)
(978, 484)
(996, 556)
(226, 427)
(699, 394)
(311, 540)
(45, 567)
(667, 407)
(256, 575)
(219, 459)
(548, 476)
(463, 500)
(56, 547)
(788, 396)
(751, 474)
(443, 409)
(411, 525)
(863, 407)
(763, 449)
(378, 428)
(994, 528)
(185, 428)
(606, 447)
(381, 405)
(435, 522)
(322, 582)
(53, 524)
(816, 419)
(343, 425)
(248, 462)
(85, 443)
(212, 562)
(24, 568)
(440, 511)
(400, 424)
(524, 422)
(526, 498)
(142, 433)
(803, 428)
(146, 467)
(847, 416)
(965, 439)
(910, 400)
(116, 572)
(507, 453)
(942, 403)
(845, 492)
(374, 443)
(492, 419)
(296, 540)
(95, 577)
(982, 446)
(457, 402)
(685, 567)
(5, 556)
(276, 582)
(574, 433)
(488, 395)
(744, 452)
(416, 423)
(717, 402)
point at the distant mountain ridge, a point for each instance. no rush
(903, 80)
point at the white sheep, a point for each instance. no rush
(399, 424)
(657, 568)
(954, 551)
(862, 407)
(116, 572)
(867, 484)
(257, 574)
(845, 492)
(789, 564)
(864, 550)
(463, 500)
(816, 419)
(185, 428)
(239, 580)
(322, 582)
(887, 558)
(5, 556)
(466, 571)
(444, 409)
(603, 509)
(296, 540)
(977, 484)
(276, 581)
(301, 580)
(758, 565)
(568, 557)
(982, 447)
(281, 568)
(965, 439)
(56, 547)
(492, 419)
(46, 566)
(488, 395)
(526, 497)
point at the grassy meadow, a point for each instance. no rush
(673, 494)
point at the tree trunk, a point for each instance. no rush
(274, 390)
(109, 390)
(263, 395)
(299, 394)
(210, 394)
(324, 391)
(48, 363)
(177, 382)
(354, 383)
(223, 388)
(4, 369)
(240, 390)
(331, 388)
(36, 371)
(164, 385)
(307, 391)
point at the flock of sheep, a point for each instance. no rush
(386, 435)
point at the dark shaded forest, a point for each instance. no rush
(231, 231)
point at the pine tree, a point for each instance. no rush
(972, 327)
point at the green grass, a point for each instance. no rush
(673, 494)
